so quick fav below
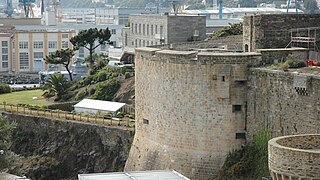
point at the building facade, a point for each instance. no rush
(28, 49)
(24, 48)
(157, 29)
(117, 16)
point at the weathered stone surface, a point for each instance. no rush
(185, 115)
(273, 30)
(73, 147)
(283, 102)
(295, 157)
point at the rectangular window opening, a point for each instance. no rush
(145, 121)
(241, 135)
(236, 108)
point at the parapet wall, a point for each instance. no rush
(273, 30)
(295, 157)
(285, 102)
(189, 110)
(231, 43)
(275, 56)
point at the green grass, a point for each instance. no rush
(24, 97)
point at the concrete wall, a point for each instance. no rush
(145, 29)
(295, 157)
(273, 30)
(185, 110)
(286, 103)
(182, 28)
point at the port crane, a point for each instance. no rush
(26, 8)
(9, 8)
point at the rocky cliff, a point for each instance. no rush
(51, 149)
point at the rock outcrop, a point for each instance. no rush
(53, 149)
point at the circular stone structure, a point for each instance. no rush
(295, 157)
(189, 110)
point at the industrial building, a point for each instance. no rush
(23, 47)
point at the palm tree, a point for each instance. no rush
(57, 86)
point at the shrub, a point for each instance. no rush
(80, 95)
(127, 75)
(260, 142)
(295, 62)
(91, 90)
(106, 90)
(85, 81)
(4, 88)
(101, 76)
(249, 162)
(67, 106)
(285, 66)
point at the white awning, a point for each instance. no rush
(138, 175)
(99, 105)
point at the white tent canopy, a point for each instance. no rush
(138, 175)
(94, 106)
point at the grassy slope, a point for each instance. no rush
(25, 97)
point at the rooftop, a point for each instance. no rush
(99, 105)
(138, 175)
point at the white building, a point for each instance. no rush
(78, 16)
(239, 12)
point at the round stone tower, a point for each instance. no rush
(295, 157)
(190, 110)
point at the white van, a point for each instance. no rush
(116, 64)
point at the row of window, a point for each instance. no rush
(143, 43)
(23, 59)
(146, 29)
(39, 44)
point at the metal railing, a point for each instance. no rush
(65, 115)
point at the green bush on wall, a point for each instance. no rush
(295, 62)
(249, 162)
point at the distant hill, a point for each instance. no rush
(194, 4)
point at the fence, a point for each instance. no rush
(65, 115)
(129, 109)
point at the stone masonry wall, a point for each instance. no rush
(295, 157)
(275, 56)
(232, 43)
(189, 109)
(273, 30)
(286, 103)
(71, 147)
